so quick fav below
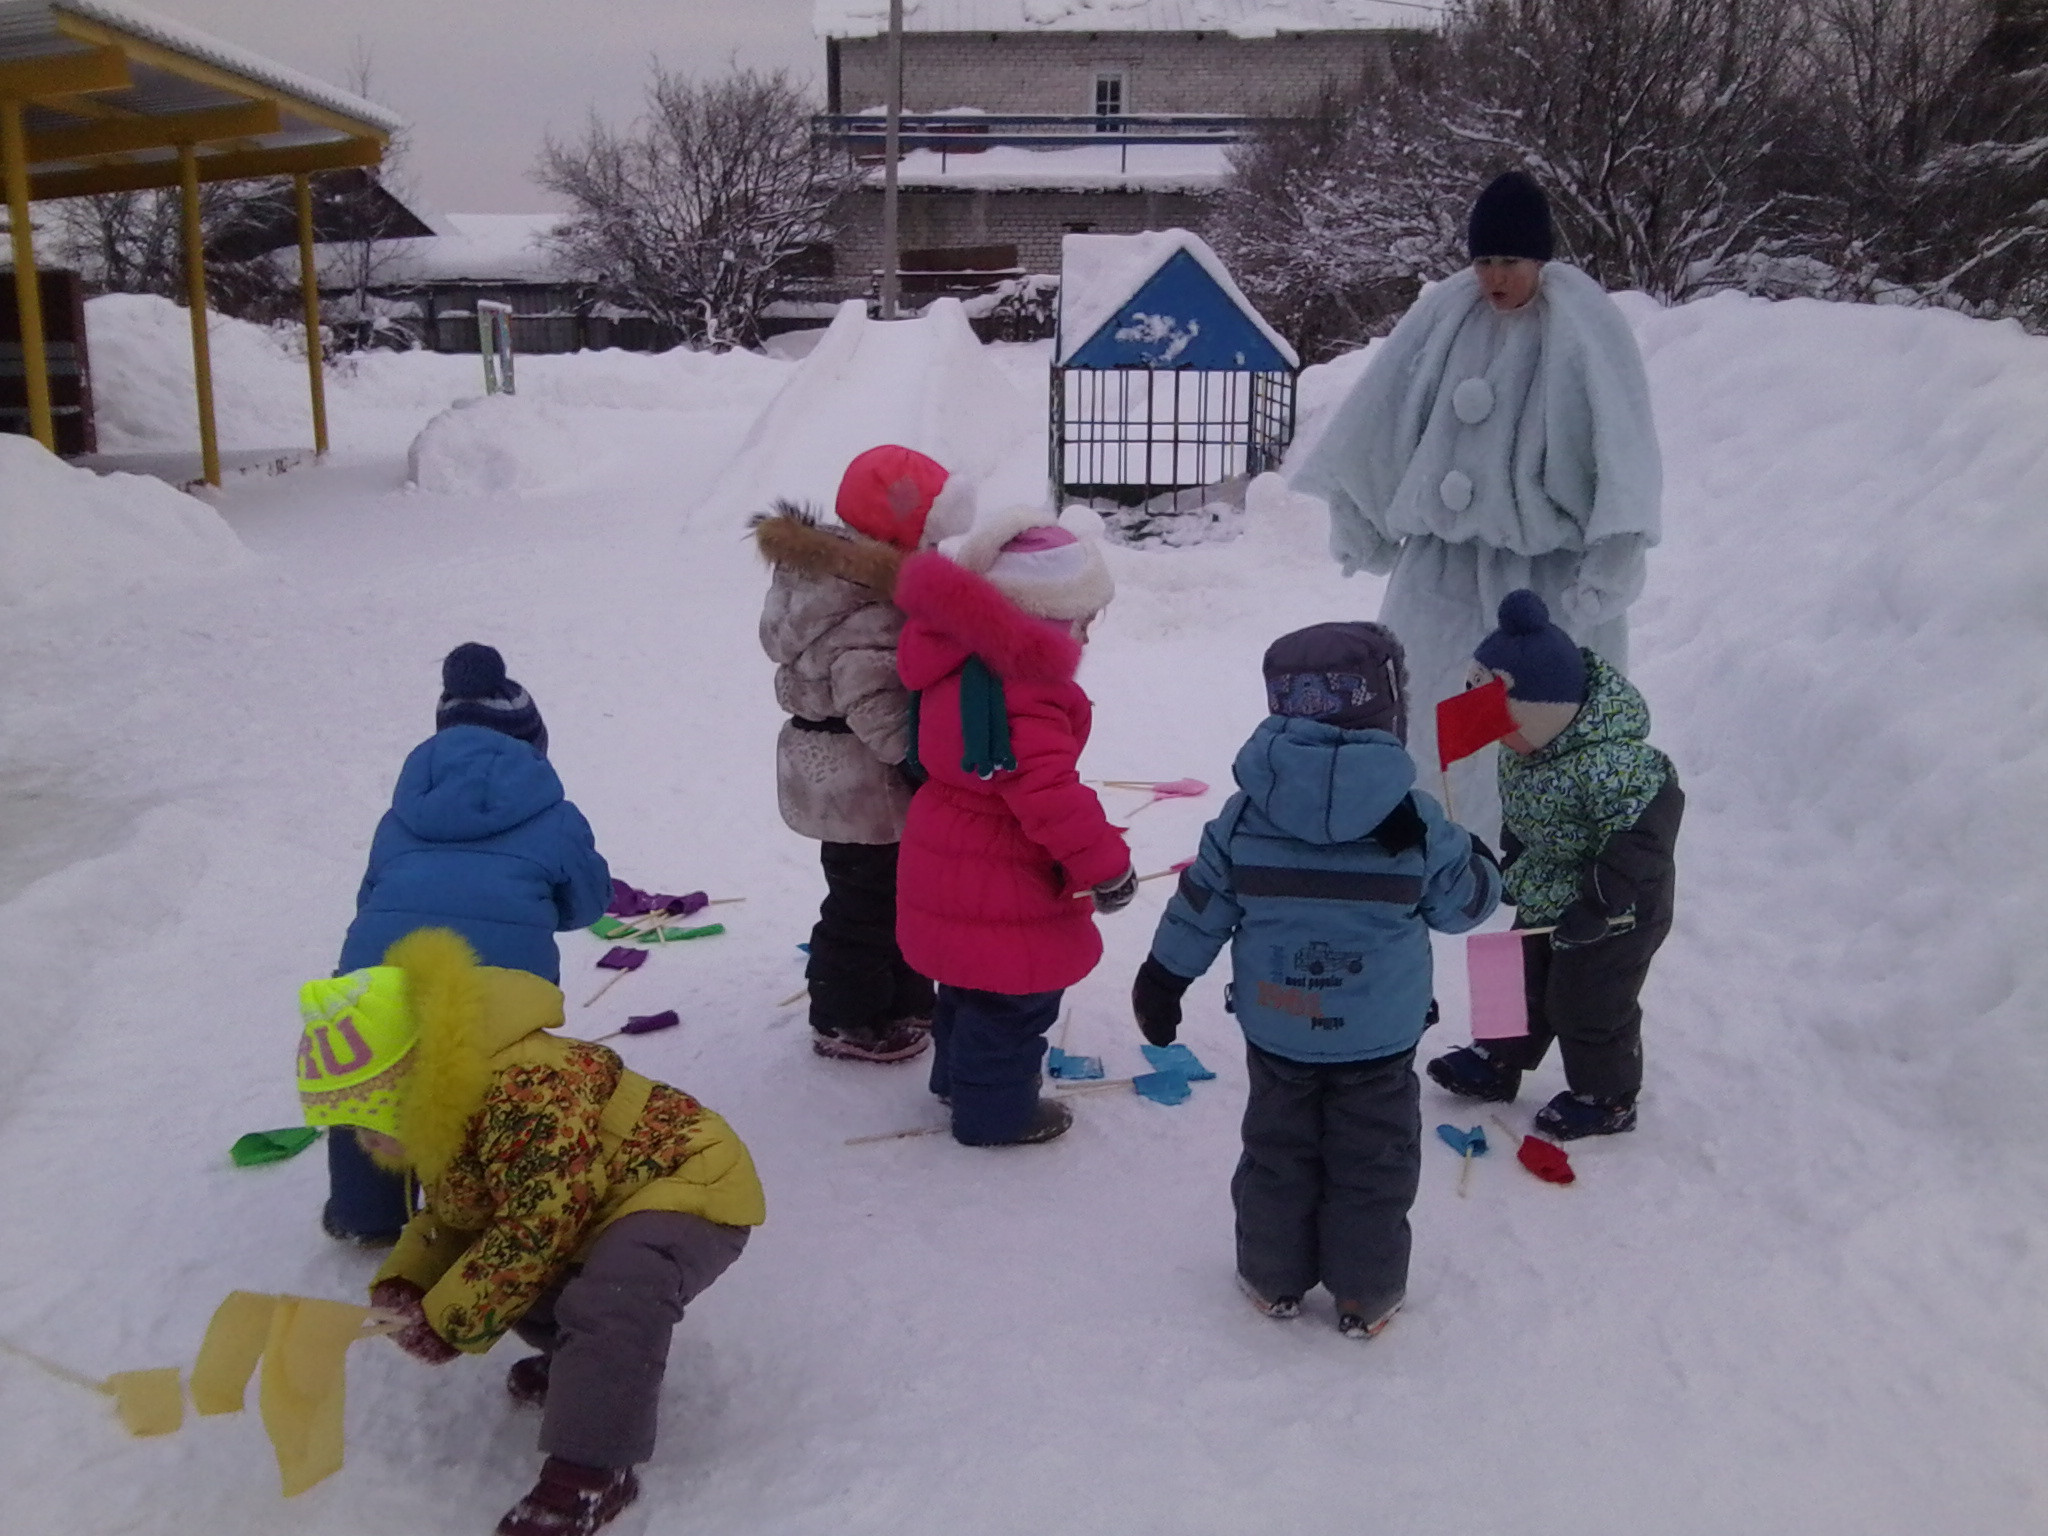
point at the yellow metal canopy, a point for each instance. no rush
(97, 97)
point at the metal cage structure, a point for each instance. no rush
(1180, 390)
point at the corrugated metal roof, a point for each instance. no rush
(1244, 18)
(28, 28)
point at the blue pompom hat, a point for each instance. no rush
(476, 691)
(1542, 662)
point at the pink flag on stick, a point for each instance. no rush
(1493, 964)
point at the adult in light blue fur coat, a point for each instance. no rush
(1500, 438)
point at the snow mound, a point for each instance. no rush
(926, 383)
(67, 534)
(140, 350)
(497, 445)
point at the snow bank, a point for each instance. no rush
(141, 356)
(925, 383)
(496, 445)
(67, 533)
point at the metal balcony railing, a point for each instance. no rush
(863, 132)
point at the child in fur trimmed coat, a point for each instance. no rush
(575, 1203)
(1007, 856)
(830, 628)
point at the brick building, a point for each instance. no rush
(1027, 120)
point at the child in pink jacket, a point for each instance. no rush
(1007, 856)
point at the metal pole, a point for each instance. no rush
(28, 292)
(309, 290)
(891, 150)
(195, 300)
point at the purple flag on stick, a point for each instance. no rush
(622, 959)
(1500, 1008)
(648, 1023)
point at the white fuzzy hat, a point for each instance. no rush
(1034, 562)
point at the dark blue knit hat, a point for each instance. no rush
(1350, 675)
(476, 691)
(1511, 218)
(1542, 662)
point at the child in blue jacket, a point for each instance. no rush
(1324, 873)
(480, 839)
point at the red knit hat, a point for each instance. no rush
(888, 492)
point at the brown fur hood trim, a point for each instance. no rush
(795, 539)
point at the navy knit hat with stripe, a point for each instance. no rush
(1511, 218)
(476, 691)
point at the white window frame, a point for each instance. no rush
(1106, 122)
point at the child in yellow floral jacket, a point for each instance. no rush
(567, 1199)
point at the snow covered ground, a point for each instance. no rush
(1803, 1298)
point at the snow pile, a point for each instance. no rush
(925, 383)
(1100, 274)
(140, 348)
(68, 534)
(496, 445)
(1844, 644)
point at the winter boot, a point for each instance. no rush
(1362, 1323)
(1048, 1122)
(1281, 1307)
(1572, 1115)
(893, 1042)
(1471, 1073)
(341, 1234)
(571, 1500)
(527, 1381)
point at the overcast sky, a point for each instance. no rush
(483, 82)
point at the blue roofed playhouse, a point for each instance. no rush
(1169, 391)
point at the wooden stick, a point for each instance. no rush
(1450, 811)
(794, 998)
(1465, 1174)
(1090, 1085)
(61, 1372)
(1160, 874)
(600, 992)
(922, 1130)
(1066, 1024)
(726, 901)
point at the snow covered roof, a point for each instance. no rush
(1101, 274)
(479, 248)
(1240, 18)
(1093, 168)
(25, 20)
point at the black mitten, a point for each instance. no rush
(1155, 999)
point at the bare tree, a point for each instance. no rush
(694, 215)
(1333, 222)
(1651, 123)
(133, 242)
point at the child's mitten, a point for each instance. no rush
(417, 1338)
(1115, 895)
(1155, 999)
(1583, 924)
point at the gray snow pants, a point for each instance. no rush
(605, 1330)
(1332, 1158)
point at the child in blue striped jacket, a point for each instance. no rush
(1324, 873)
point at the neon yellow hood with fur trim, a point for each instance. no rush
(529, 1144)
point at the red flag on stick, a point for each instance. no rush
(1476, 718)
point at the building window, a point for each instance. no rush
(1080, 229)
(1109, 100)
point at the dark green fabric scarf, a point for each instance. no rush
(984, 724)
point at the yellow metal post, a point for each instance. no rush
(28, 293)
(195, 299)
(309, 286)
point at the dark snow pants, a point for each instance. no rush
(605, 1330)
(363, 1200)
(1332, 1158)
(1586, 997)
(859, 982)
(988, 1049)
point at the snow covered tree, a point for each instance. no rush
(696, 213)
(1332, 222)
(1651, 123)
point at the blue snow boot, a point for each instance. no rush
(1572, 1115)
(1471, 1073)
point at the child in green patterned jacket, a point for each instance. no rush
(1590, 812)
